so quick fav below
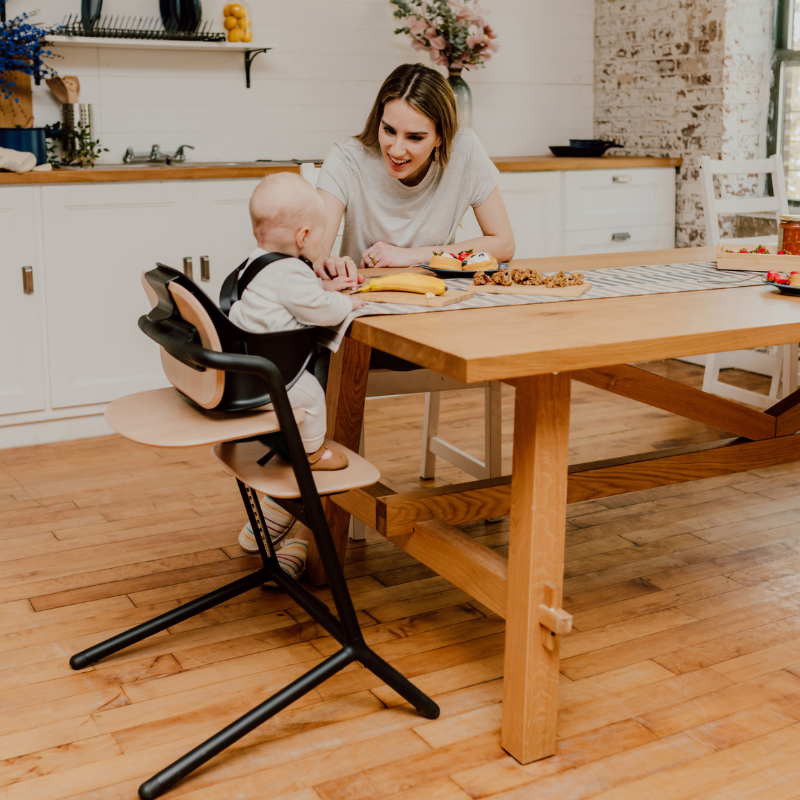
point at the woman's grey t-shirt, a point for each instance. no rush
(379, 208)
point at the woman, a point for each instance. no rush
(406, 181)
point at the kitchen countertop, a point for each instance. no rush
(110, 173)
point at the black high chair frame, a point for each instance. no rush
(179, 339)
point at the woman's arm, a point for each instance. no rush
(497, 239)
(334, 266)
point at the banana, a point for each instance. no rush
(407, 282)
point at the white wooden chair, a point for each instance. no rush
(783, 369)
(385, 383)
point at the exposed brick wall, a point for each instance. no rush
(684, 78)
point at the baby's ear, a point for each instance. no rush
(301, 235)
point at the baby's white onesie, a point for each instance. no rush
(287, 295)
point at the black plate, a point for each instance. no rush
(167, 10)
(188, 14)
(461, 273)
(784, 288)
(90, 12)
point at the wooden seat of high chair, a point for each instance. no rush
(276, 478)
(166, 418)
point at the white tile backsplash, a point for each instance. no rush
(318, 84)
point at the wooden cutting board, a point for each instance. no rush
(450, 297)
(518, 288)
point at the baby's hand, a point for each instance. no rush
(337, 284)
(356, 301)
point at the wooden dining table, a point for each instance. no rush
(539, 349)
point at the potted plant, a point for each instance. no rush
(21, 58)
(455, 34)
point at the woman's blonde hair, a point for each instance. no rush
(426, 91)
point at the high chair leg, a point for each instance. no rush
(345, 630)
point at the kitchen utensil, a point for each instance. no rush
(543, 291)
(73, 88)
(90, 12)
(57, 86)
(582, 151)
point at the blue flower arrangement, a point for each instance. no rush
(21, 50)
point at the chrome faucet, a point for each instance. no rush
(180, 155)
(155, 156)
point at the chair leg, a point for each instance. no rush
(345, 630)
(788, 370)
(167, 620)
(430, 430)
(358, 530)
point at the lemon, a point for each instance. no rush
(237, 10)
(230, 23)
(248, 37)
(235, 35)
(226, 12)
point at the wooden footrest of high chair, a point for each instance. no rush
(165, 418)
(276, 478)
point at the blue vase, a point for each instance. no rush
(463, 98)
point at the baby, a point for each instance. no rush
(289, 217)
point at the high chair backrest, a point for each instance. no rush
(178, 301)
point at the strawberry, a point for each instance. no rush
(782, 253)
(771, 276)
(744, 250)
(781, 279)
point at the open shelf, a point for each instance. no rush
(250, 49)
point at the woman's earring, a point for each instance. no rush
(436, 153)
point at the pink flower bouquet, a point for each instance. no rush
(453, 31)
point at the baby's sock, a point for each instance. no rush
(278, 522)
(292, 558)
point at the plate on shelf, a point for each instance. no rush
(90, 13)
(167, 10)
(461, 273)
(784, 288)
(187, 14)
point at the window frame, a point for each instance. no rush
(783, 54)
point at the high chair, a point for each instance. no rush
(237, 382)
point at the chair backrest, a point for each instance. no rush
(713, 207)
(175, 297)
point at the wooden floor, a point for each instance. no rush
(680, 680)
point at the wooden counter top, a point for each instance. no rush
(553, 164)
(108, 174)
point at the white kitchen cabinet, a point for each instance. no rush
(98, 239)
(21, 357)
(533, 208)
(618, 240)
(606, 198)
(224, 232)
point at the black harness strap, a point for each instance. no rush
(234, 285)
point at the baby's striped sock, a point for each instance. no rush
(278, 521)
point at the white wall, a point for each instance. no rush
(319, 82)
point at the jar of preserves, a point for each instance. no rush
(789, 235)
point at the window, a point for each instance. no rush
(784, 128)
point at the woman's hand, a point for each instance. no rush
(387, 255)
(336, 267)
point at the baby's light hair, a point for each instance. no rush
(281, 203)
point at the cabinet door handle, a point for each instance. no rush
(621, 179)
(27, 280)
(205, 268)
(620, 237)
(187, 267)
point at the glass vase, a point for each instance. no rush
(463, 97)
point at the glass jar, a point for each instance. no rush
(789, 235)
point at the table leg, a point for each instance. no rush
(347, 389)
(535, 558)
